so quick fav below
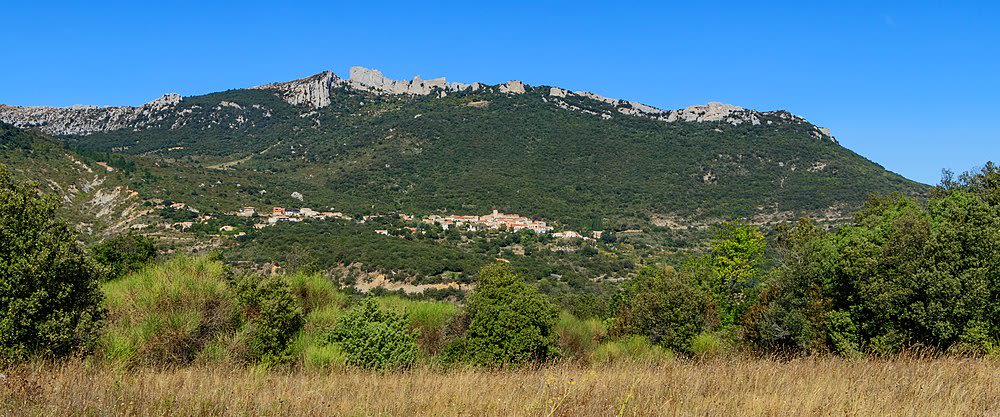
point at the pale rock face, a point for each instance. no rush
(76, 120)
(366, 79)
(557, 92)
(313, 91)
(512, 87)
(711, 112)
(297, 195)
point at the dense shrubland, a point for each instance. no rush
(367, 153)
(904, 274)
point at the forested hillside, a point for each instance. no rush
(573, 160)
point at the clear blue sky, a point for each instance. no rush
(911, 85)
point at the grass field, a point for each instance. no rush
(816, 386)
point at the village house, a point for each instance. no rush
(247, 212)
(495, 220)
(570, 234)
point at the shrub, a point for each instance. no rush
(663, 305)
(429, 319)
(315, 291)
(842, 333)
(708, 344)
(578, 338)
(509, 322)
(49, 299)
(736, 257)
(122, 254)
(630, 349)
(272, 317)
(375, 338)
(170, 313)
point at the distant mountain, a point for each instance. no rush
(372, 144)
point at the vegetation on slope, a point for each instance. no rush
(369, 152)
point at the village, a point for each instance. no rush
(495, 220)
(503, 221)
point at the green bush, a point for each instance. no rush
(842, 333)
(122, 254)
(173, 313)
(663, 305)
(630, 349)
(272, 317)
(709, 344)
(736, 258)
(49, 299)
(578, 338)
(509, 322)
(315, 291)
(375, 338)
(428, 319)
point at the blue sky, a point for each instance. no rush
(911, 85)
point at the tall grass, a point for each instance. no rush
(577, 338)
(166, 313)
(429, 318)
(322, 303)
(630, 350)
(814, 386)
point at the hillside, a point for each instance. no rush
(94, 194)
(370, 144)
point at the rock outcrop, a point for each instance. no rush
(366, 79)
(711, 112)
(512, 87)
(313, 91)
(78, 119)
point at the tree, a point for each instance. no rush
(273, 317)
(736, 257)
(509, 322)
(375, 338)
(797, 301)
(49, 299)
(905, 273)
(122, 254)
(662, 304)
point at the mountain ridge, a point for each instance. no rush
(370, 144)
(315, 92)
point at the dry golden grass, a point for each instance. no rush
(820, 386)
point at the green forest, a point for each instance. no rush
(904, 274)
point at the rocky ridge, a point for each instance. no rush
(711, 112)
(87, 119)
(316, 91)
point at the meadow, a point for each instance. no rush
(906, 385)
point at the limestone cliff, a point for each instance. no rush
(86, 119)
